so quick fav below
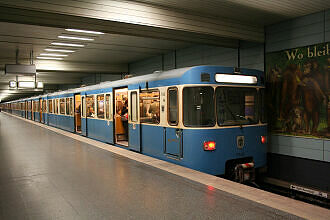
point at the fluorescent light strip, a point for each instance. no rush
(50, 58)
(228, 78)
(67, 44)
(59, 50)
(84, 31)
(26, 84)
(76, 38)
(54, 54)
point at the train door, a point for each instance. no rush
(173, 134)
(109, 117)
(134, 123)
(83, 116)
(121, 116)
(77, 113)
(40, 109)
(45, 111)
(32, 110)
(26, 109)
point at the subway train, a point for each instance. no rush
(208, 118)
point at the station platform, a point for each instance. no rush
(48, 173)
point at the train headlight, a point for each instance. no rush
(263, 139)
(209, 145)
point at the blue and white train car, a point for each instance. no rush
(208, 118)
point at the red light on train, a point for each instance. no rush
(263, 139)
(209, 145)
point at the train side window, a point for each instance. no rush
(107, 104)
(90, 103)
(149, 107)
(83, 105)
(172, 111)
(198, 106)
(62, 106)
(134, 107)
(100, 106)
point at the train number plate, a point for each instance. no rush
(240, 142)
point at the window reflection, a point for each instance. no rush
(149, 107)
(90, 106)
(100, 106)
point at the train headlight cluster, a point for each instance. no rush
(209, 145)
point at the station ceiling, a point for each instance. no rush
(133, 31)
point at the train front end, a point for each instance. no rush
(225, 130)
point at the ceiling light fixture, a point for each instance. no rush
(84, 31)
(67, 44)
(54, 54)
(76, 38)
(59, 50)
(50, 58)
(40, 85)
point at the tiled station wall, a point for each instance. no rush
(251, 56)
(97, 78)
(299, 32)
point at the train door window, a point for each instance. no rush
(40, 105)
(62, 106)
(198, 106)
(56, 105)
(149, 104)
(68, 106)
(44, 106)
(50, 106)
(83, 107)
(172, 104)
(134, 107)
(107, 105)
(100, 106)
(35, 106)
(90, 105)
(71, 106)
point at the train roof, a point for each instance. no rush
(157, 75)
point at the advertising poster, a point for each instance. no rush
(298, 91)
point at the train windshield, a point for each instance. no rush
(236, 106)
(198, 106)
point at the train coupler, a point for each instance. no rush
(245, 172)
